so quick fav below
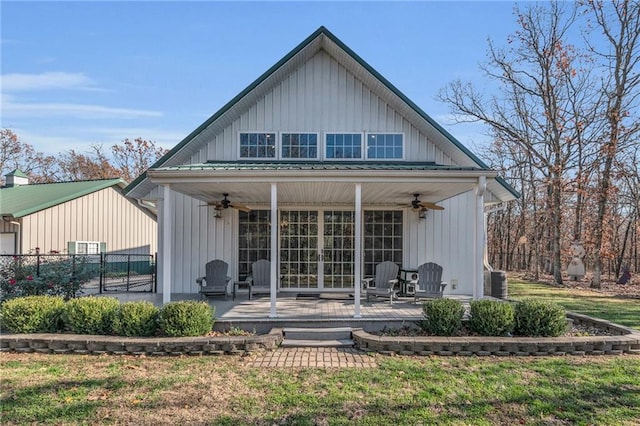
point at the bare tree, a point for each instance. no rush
(619, 21)
(535, 107)
(15, 154)
(132, 158)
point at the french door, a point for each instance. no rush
(316, 249)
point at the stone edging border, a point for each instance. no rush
(624, 340)
(159, 346)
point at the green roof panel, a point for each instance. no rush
(23, 200)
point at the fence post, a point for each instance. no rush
(128, 270)
(155, 272)
(102, 271)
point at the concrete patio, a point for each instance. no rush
(328, 310)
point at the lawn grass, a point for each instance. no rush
(619, 309)
(402, 390)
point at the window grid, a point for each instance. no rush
(257, 145)
(343, 146)
(339, 249)
(299, 145)
(254, 242)
(384, 146)
(87, 247)
(382, 239)
(299, 249)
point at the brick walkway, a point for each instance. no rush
(314, 358)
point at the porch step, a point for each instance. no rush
(298, 343)
(317, 337)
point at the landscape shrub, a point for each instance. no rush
(136, 319)
(185, 318)
(32, 314)
(442, 317)
(491, 317)
(538, 318)
(90, 315)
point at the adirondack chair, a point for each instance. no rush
(429, 283)
(260, 279)
(216, 279)
(383, 283)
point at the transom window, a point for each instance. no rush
(300, 145)
(343, 146)
(257, 145)
(308, 146)
(384, 146)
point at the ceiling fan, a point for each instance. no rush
(418, 205)
(225, 203)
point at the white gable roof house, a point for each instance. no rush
(315, 167)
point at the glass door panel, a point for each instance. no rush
(338, 249)
(299, 249)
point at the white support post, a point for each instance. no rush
(274, 249)
(167, 243)
(357, 251)
(478, 251)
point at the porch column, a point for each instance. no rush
(274, 249)
(478, 250)
(357, 251)
(167, 243)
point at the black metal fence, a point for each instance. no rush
(108, 272)
(128, 273)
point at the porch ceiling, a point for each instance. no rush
(383, 188)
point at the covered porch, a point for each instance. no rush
(453, 238)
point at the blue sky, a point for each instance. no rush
(81, 73)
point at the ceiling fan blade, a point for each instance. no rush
(431, 206)
(240, 207)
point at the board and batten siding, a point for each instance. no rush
(103, 216)
(197, 238)
(446, 239)
(321, 96)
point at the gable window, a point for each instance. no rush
(386, 146)
(299, 145)
(257, 145)
(343, 146)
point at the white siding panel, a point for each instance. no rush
(320, 96)
(198, 237)
(446, 239)
(104, 216)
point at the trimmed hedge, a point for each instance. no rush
(537, 318)
(32, 314)
(90, 315)
(491, 317)
(136, 319)
(186, 318)
(442, 317)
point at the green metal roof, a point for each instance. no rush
(17, 172)
(23, 200)
(315, 165)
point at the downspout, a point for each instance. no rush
(478, 288)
